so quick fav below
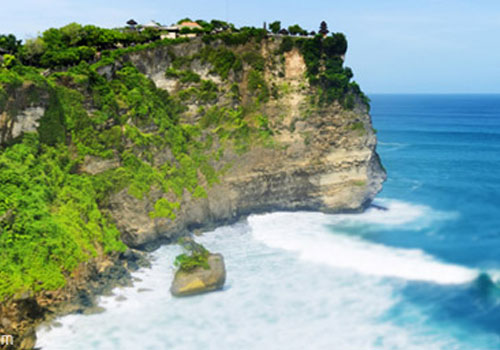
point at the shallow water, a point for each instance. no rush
(405, 278)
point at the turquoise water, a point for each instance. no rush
(444, 152)
(398, 279)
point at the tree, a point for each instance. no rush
(33, 50)
(72, 34)
(296, 30)
(10, 43)
(187, 19)
(336, 45)
(323, 28)
(275, 27)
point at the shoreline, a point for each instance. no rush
(119, 274)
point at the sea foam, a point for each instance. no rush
(272, 299)
(311, 236)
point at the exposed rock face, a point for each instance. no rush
(200, 280)
(94, 165)
(22, 111)
(324, 159)
(27, 121)
(20, 315)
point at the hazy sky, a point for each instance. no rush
(442, 46)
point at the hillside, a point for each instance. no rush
(135, 146)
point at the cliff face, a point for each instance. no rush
(323, 157)
(314, 156)
(154, 142)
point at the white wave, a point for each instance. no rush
(494, 275)
(392, 146)
(308, 235)
(394, 213)
(272, 300)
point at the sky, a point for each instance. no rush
(395, 46)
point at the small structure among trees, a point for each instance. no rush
(323, 29)
(283, 31)
(131, 23)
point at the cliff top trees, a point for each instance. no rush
(323, 28)
(9, 43)
(297, 30)
(275, 27)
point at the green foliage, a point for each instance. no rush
(73, 43)
(296, 30)
(275, 27)
(237, 127)
(50, 220)
(8, 61)
(10, 43)
(286, 44)
(21, 81)
(195, 257)
(325, 70)
(52, 130)
(164, 209)
(257, 85)
(359, 127)
(335, 45)
(222, 60)
(255, 60)
(242, 37)
(185, 76)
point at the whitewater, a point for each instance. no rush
(292, 277)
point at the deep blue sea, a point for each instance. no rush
(420, 275)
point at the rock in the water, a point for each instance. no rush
(200, 280)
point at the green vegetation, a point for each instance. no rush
(359, 183)
(50, 218)
(184, 76)
(255, 60)
(257, 85)
(359, 127)
(325, 69)
(196, 256)
(296, 30)
(9, 43)
(223, 60)
(275, 27)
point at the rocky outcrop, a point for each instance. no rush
(200, 280)
(324, 158)
(22, 111)
(20, 315)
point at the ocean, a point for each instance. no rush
(421, 274)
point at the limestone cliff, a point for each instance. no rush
(148, 143)
(323, 158)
